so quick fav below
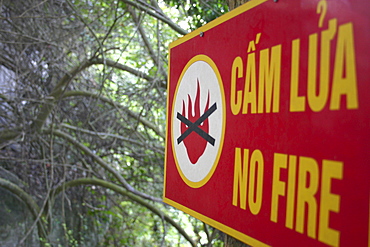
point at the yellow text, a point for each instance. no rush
(300, 190)
(248, 176)
(344, 77)
(263, 97)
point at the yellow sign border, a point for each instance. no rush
(228, 230)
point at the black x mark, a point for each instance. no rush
(194, 126)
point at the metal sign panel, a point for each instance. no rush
(268, 123)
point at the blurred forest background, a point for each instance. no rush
(82, 122)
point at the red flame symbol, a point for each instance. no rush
(194, 143)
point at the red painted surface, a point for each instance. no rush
(335, 135)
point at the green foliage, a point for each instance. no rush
(200, 12)
(69, 237)
(84, 96)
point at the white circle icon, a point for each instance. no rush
(198, 121)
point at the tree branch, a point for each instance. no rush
(132, 114)
(123, 67)
(158, 15)
(120, 190)
(28, 201)
(59, 89)
(47, 107)
(9, 134)
(147, 42)
(103, 164)
(105, 135)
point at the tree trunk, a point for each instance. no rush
(230, 241)
(235, 3)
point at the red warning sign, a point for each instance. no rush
(268, 123)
